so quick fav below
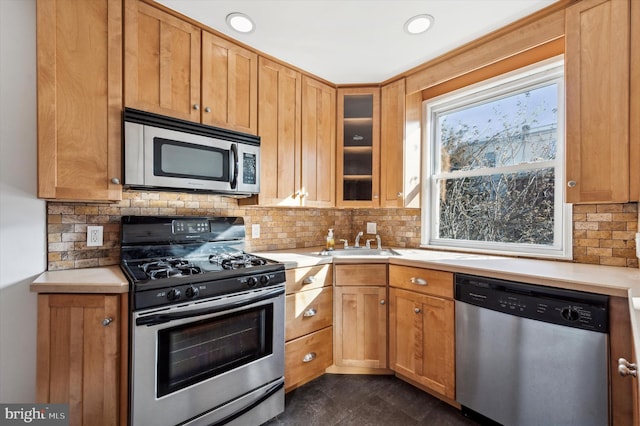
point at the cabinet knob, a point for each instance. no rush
(107, 321)
(207, 109)
(399, 194)
(196, 107)
(309, 357)
(626, 368)
(382, 302)
(417, 310)
(571, 184)
(115, 181)
(310, 313)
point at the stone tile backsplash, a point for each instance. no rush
(603, 234)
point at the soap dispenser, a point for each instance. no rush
(330, 240)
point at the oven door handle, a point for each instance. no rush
(164, 318)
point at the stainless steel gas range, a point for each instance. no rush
(207, 323)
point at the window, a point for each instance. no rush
(494, 166)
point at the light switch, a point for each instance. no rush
(371, 227)
(255, 231)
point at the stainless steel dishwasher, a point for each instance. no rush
(530, 355)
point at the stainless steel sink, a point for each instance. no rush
(359, 251)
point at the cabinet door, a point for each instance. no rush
(358, 147)
(79, 55)
(279, 101)
(229, 85)
(597, 93)
(360, 327)
(162, 62)
(78, 361)
(422, 339)
(392, 124)
(318, 143)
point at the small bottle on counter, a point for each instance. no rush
(330, 240)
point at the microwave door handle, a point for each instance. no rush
(234, 175)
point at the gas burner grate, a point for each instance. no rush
(166, 268)
(236, 260)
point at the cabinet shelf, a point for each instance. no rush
(357, 177)
(351, 149)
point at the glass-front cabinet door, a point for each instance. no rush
(358, 147)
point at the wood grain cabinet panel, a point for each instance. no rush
(392, 141)
(420, 280)
(81, 358)
(597, 94)
(308, 311)
(307, 357)
(79, 77)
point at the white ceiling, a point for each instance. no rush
(357, 41)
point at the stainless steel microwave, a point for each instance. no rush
(164, 153)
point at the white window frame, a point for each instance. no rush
(531, 76)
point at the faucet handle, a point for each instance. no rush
(346, 243)
(369, 243)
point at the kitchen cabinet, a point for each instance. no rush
(296, 124)
(309, 324)
(79, 77)
(360, 343)
(392, 140)
(597, 58)
(82, 355)
(358, 147)
(624, 389)
(421, 328)
(175, 68)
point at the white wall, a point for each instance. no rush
(22, 215)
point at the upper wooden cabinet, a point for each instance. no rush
(79, 74)
(597, 56)
(162, 62)
(392, 125)
(174, 68)
(229, 85)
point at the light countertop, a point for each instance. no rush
(107, 279)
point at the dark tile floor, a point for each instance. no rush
(335, 399)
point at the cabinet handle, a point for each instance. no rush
(309, 357)
(418, 281)
(571, 183)
(626, 368)
(115, 181)
(207, 109)
(107, 321)
(399, 194)
(417, 310)
(382, 302)
(309, 280)
(196, 107)
(310, 313)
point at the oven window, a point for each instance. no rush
(181, 159)
(196, 351)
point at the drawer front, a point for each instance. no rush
(374, 274)
(308, 311)
(307, 357)
(310, 277)
(426, 281)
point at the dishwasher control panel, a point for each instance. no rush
(569, 308)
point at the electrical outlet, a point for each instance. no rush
(255, 231)
(94, 236)
(371, 227)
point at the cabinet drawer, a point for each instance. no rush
(427, 281)
(308, 311)
(374, 274)
(307, 357)
(307, 278)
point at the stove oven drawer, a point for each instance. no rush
(307, 357)
(308, 311)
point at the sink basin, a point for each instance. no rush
(359, 251)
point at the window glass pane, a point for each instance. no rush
(504, 208)
(502, 131)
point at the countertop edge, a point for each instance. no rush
(105, 279)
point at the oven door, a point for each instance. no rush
(209, 362)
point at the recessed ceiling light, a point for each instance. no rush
(240, 22)
(418, 24)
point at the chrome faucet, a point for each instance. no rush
(346, 243)
(357, 244)
(377, 240)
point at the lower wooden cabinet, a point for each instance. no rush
(421, 328)
(82, 356)
(308, 330)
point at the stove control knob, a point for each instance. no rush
(570, 314)
(252, 282)
(174, 294)
(192, 292)
(264, 280)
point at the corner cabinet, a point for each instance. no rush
(358, 147)
(82, 356)
(79, 77)
(597, 58)
(421, 328)
(360, 319)
(309, 318)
